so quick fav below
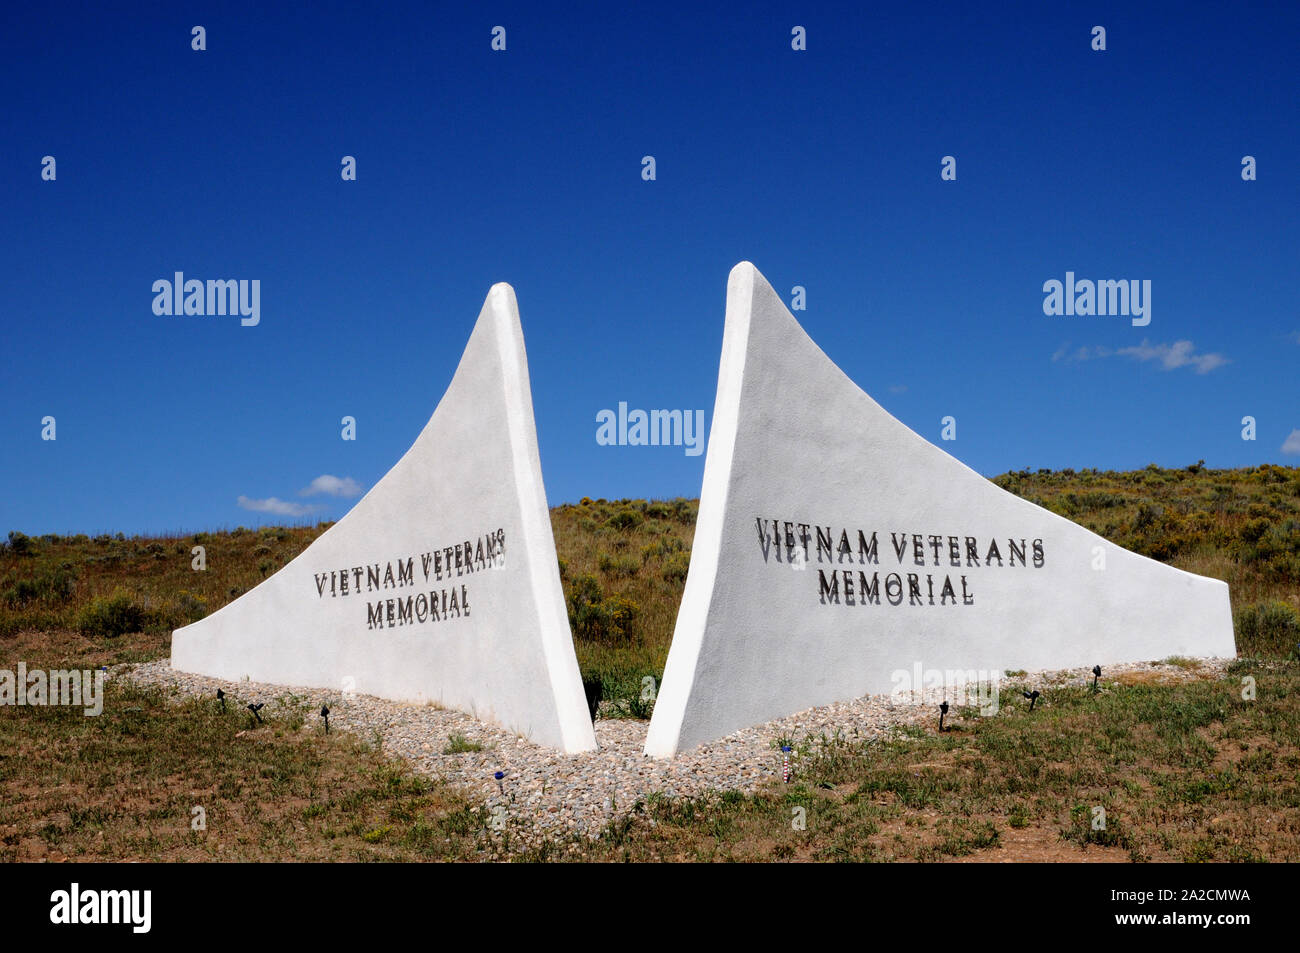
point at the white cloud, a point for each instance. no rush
(277, 506)
(323, 485)
(1081, 353)
(898, 389)
(1292, 443)
(1172, 356)
(332, 486)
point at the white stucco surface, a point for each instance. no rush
(470, 483)
(795, 441)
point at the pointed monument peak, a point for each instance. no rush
(743, 270)
(838, 553)
(441, 584)
(749, 293)
(502, 293)
(501, 309)
(743, 281)
(500, 312)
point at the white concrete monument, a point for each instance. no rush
(441, 584)
(835, 548)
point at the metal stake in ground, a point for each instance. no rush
(785, 763)
(943, 710)
(1033, 697)
(325, 713)
(255, 709)
(1096, 674)
(500, 783)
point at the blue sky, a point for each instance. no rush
(473, 166)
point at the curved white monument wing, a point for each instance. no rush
(441, 584)
(835, 547)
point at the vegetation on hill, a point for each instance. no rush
(104, 587)
(623, 566)
(1184, 771)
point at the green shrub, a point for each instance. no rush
(599, 618)
(587, 588)
(623, 613)
(49, 586)
(684, 511)
(1267, 628)
(631, 695)
(1283, 537)
(112, 615)
(459, 744)
(676, 567)
(1099, 500)
(20, 544)
(1252, 530)
(1271, 474)
(626, 519)
(1148, 514)
(664, 546)
(188, 607)
(617, 565)
(583, 591)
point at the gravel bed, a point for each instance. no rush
(545, 792)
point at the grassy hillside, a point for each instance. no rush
(1185, 770)
(623, 566)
